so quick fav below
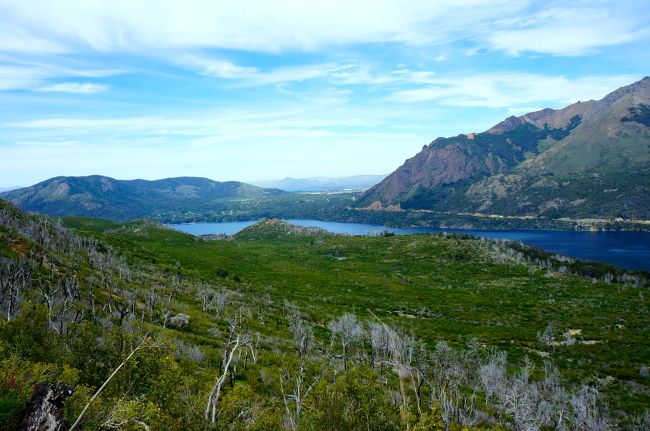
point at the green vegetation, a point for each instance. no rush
(121, 200)
(294, 205)
(606, 195)
(172, 200)
(639, 114)
(289, 328)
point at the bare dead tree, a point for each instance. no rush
(119, 417)
(348, 330)
(298, 382)
(166, 315)
(416, 364)
(519, 401)
(546, 337)
(236, 340)
(91, 296)
(122, 308)
(380, 342)
(397, 350)
(458, 408)
(145, 343)
(123, 271)
(588, 412)
(100, 262)
(493, 374)
(65, 309)
(174, 286)
(15, 278)
(553, 403)
(49, 290)
(204, 294)
(212, 299)
(152, 299)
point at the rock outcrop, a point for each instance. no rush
(45, 410)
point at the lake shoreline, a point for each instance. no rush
(429, 219)
(629, 250)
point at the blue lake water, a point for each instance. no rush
(629, 250)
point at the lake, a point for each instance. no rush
(629, 250)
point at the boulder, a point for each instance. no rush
(179, 320)
(45, 410)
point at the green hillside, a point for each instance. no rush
(374, 332)
(121, 200)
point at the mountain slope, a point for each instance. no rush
(589, 159)
(122, 200)
(606, 140)
(75, 305)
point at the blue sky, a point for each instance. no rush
(253, 90)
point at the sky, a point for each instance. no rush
(255, 90)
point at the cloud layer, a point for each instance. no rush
(254, 89)
(55, 26)
(74, 87)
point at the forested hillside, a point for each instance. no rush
(290, 328)
(121, 200)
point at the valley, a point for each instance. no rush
(461, 301)
(324, 216)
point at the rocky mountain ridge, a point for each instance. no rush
(589, 159)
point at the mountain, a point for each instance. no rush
(99, 196)
(323, 184)
(589, 159)
(7, 189)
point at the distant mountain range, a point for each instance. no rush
(589, 159)
(323, 184)
(99, 196)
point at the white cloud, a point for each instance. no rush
(246, 24)
(17, 77)
(253, 76)
(20, 41)
(570, 30)
(35, 76)
(75, 87)
(215, 67)
(218, 122)
(52, 26)
(324, 45)
(249, 160)
(512, 89)
(229, 143)
(345, 73)
(558, 40)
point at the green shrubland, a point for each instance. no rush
(287, 328)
